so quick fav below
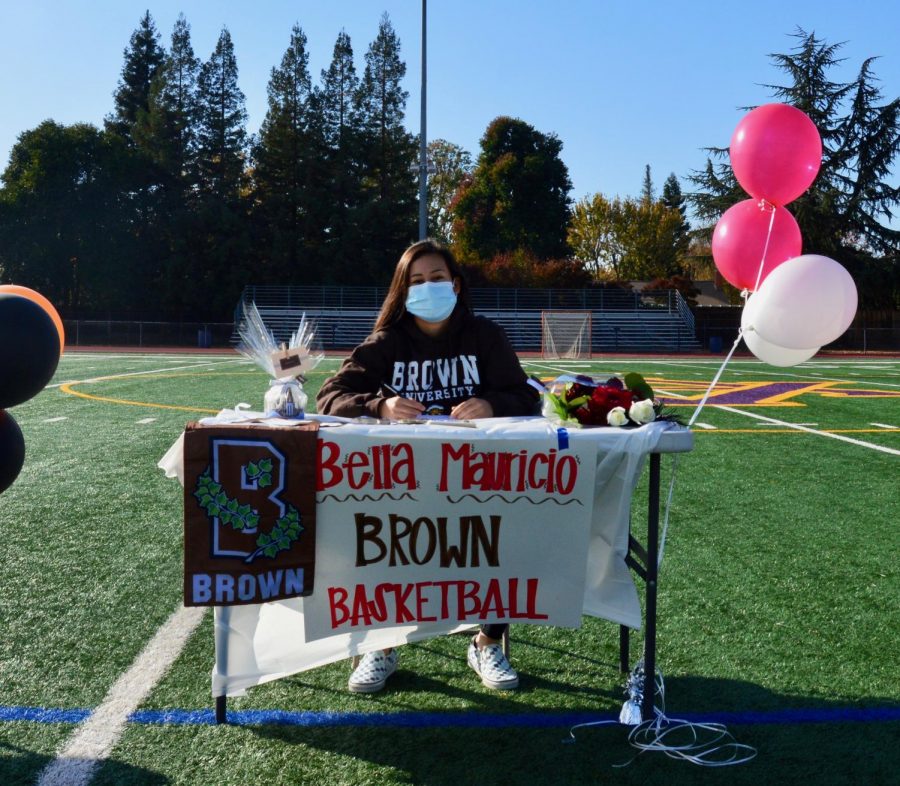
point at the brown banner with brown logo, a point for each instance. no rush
(249, 513)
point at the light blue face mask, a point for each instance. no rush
(432, 301)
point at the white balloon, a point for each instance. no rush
(808, 301)
(773, 355)
(764, 350)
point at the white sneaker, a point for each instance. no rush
(491, 665)
(372, 673)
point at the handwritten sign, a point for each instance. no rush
(449, 531)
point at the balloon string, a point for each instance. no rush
(763, 205)
(694, 416)
(702, 743)
(665, 525)
(715, 380)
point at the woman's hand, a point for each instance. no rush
(399, 408)
(472, 408)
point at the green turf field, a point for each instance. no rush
(778, 594)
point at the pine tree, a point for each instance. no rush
(166, 131)
(335, 181)
(674, 199)
(336, 96)
(388, 213)
(222, 117)
(218, 248)
(283, 158)
(143, 58)
(846, 212)
(647, 192)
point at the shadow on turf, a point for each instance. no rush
(787, 753)
(21, 766)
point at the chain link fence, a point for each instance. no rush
(716, 330)
(115, 333)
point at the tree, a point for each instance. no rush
(521, 268)
(596, 236)
(143, 58)
(387, 216)
(222, 117)
(674, 199)
(629, 239)
(647, 193)
(517, 197)
(336, 183)
(846, 212)
(283, 160)
(651, 240)
(336, 95)
(217, 249)
(448, 166)
(166, 131)
(65, 229)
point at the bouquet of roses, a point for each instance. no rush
(583, 401)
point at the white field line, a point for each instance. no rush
(884, 425)
(792, 424)
(555, 369)
(144, 421)
(706, 426)
(150, 371)
(93, 740)
(795, 426)
(55, 420)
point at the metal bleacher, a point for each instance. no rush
(621, 320)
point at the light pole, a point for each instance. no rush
(423, 148)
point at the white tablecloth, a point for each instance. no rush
(262, 642)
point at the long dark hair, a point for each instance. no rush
(394, 306)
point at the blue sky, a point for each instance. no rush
(623, 84)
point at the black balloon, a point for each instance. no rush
(12, 450)
(29, 349)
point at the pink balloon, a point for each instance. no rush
(776, 152)
(739, 242)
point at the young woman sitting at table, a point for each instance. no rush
(430, 355)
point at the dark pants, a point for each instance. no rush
(494, 631)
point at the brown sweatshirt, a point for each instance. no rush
(472, 359)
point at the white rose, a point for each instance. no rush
(617, 416)
(642, 411)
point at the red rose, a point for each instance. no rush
(604, 398)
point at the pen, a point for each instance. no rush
(389, 389)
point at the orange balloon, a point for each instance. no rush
(37, 297)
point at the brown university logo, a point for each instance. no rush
(249, 513)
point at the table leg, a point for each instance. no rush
(652, 574)
(221, 707)
(222, 615)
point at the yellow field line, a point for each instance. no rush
(67, 388)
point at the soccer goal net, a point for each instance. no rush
(566, 334)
